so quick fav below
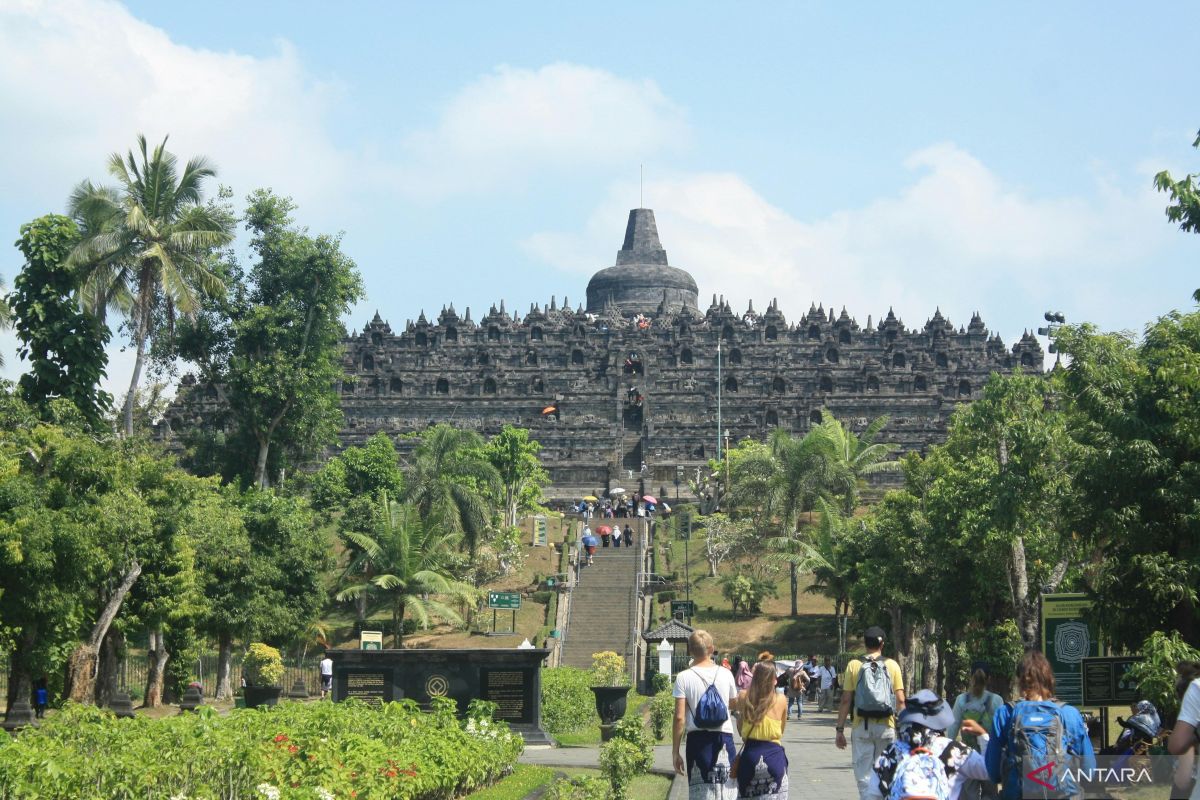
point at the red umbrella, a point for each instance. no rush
(603, 529)
(648, 499)
(549, 410)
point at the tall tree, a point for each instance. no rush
(445, 482)
(146, 243)
(1184, 209)
(286, 356)
(521, 475)
(63, 343)
(405, 567)
(853, 457)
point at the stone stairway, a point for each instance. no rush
(603, 604)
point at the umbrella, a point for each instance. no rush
(648, 499)
(590, 541)
(590, 498)
(666, 507)
(614, 492)
(549, 409)
(603, 529)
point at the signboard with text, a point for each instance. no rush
(370, 640)
(1106, 681)
(1067, 640)
(504, 600)
(540, 539)
(685, 608)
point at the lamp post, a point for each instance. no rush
(1054, 321)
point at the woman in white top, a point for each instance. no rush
(710, 751)
(1185, 736)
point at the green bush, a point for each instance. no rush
(660, 682)
(568, 704)
(625, 756)
(300, 751)
(1155, 674)
(262, 666)
(582, 787)
(664, 597)
(662, 712)
(542, 597)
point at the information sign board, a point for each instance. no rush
(1066, 641)
(370, 640)
(1106, 681)
(540, 538)
(685, 607)
(504, 600)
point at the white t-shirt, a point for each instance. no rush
(694, 681)
(1189, 712)
(827, 675)
(326, 666)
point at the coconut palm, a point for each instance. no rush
(405, 567)
(833, 572)
(444, 480)
(145, 242)
(853, 456)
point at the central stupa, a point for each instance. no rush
(641, 279)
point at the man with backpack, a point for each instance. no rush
(872, 690)
(703, 695)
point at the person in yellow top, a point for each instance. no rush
(762, 765)
(874, 687)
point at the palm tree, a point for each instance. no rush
(145, 243)
(6, 315)
(832, 574)
(405, 566)
(854, 456)
(444, 482)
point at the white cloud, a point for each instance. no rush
(515, 122)
(957, 237)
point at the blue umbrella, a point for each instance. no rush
(590, 541)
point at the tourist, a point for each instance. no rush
(741, 672)
(628, 535)
(796, 687)
(762, 764)
(1185, 736)
(589, 543)
(41, 699)
(923, 723)
(616, 538)
(810, 669)
(980, 705)
(710, 752)
(871, 710)
(605, 535)
(1035, 679)
(326, 670)
(826, 680)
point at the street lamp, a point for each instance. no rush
(1054, 321)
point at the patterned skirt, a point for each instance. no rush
(762, 771)
(707, 755)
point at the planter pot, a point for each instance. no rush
(610, 702)
(262, 695)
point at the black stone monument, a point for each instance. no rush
(509, 678)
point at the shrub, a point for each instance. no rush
(660, 682)
(262, 665)
(665, 597)
(541, 597)
(1155, 674)
(608, 669)
(662, 712)
(300, 751)
(582, 787)
(568, 704)
(628, 754)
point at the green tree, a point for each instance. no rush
(145, 244)
(1136, 417)
(1184, 209)
(447, 482)
(521, 475)
(62, 342)
(405, 567)
(285, 360)
(853, 457)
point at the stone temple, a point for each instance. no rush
(642, 375)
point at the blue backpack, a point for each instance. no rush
(1037, 748)
(710, 712)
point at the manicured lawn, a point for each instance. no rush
(525, 779)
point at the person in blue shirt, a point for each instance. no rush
(1036, 679)
(41, 699)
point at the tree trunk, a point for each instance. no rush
(712, 568)
(260, 468)
(904, 638)
(1024, 606)
(81, 666)
(107, 680)
(399, 623)
(156, 663)
(930, 658)
(224, 665)
(795, 588)
(140, 336)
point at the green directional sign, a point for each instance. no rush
(504, 600)
(540, 538)
(685, 607)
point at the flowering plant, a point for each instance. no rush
(262, 666)
(608, 669)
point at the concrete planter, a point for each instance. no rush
(257, 696)
(610, 702)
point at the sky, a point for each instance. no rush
(990, 157)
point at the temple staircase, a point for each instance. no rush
(603, 610)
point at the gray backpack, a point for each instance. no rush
(873, 696)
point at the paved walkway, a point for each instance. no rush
(816, 767)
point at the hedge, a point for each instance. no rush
(297, 751)
(568, 704)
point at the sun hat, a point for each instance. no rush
(925, 708)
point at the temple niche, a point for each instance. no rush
(632, 378)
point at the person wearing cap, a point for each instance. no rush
(923, 724)
(871, 735)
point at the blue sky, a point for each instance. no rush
(991, 157)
